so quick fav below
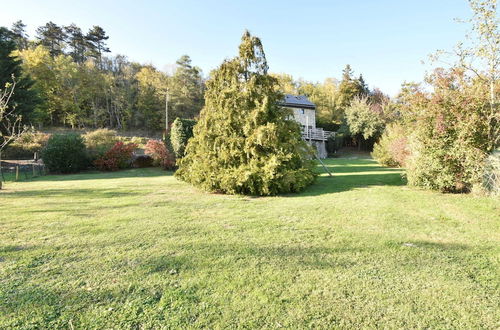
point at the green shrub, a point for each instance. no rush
(65, 153)
(99, 141)
(244, 142)
(445, 167)
(181, 132)
(392, 148)
(453, 131)
(25, 146)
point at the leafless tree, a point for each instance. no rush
(10, 123)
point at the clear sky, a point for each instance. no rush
(385, 40)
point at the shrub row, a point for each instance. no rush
(102, 149)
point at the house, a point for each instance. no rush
(304, 112)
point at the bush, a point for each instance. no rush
(453, 132)
(181, 132)
(143, 161)
(98, 142)
(244, 142)
(160, 155)
(25, 146)
(137, 140)
(445, 167)
(118, 157)
(392, 148)
(65, 153)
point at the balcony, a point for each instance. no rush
(316, 134)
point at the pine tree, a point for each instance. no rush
(76, 42)
(347, 73)
(350, 87)
(186, 89)
(20, 36)
(363, 87)
(25, 99)
(96, 38)
(53, 37)
(244, 142)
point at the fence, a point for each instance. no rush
(21, 170)
(491, 176)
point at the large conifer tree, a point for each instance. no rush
(24, 99)
(244, 142)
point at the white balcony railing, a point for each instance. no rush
(316, 134)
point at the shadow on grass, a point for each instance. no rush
(435, 246)
(351, 174)
(367, 264)
(95, 175)
(75, 193)
(342, 256)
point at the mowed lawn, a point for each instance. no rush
(140, 249)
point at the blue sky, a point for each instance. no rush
(385, 40)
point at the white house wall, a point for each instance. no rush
(306, 118)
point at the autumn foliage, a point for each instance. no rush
(118, 157)
(157, 150)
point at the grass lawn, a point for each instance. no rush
(139, 249)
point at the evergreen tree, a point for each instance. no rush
(24, 99)
(53, 37)
(20, 36)
(180, 133)
(347, 73)
(363, 87)
(96, 38)
(186, 89)
(350, 88)
(244, 142)
(77, 43)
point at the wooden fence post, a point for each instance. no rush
(17, 172)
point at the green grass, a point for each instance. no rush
(139, 249)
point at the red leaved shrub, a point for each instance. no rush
(118, 157)
(160, 154)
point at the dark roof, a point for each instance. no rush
(298, 101)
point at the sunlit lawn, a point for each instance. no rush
(139, 249)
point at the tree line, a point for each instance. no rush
(65, 78)
(70, 80)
